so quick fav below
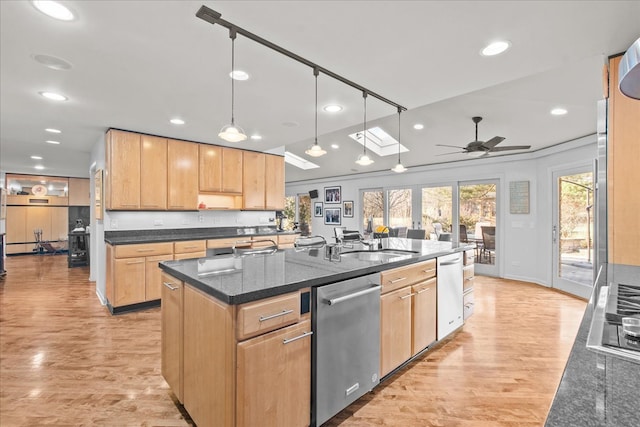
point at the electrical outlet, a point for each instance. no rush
(238, 220)
(114, 223)
(158, 222)
(200, 218)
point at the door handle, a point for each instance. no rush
(168, 285)
(334, 301)
(273, 316)
(288, 340)
(407, 296)
(553, 233)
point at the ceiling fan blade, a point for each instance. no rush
(453, 146)
(512, 147)
(493, 142)
(454, 152)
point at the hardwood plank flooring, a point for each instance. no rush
(65, 361)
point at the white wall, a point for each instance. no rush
(524, 240)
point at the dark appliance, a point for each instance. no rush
(313, 194)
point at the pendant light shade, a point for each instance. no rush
(364, 159)
(399, 168)
(231, 132)
(315, 150)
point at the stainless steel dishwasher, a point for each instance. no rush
(346, 344)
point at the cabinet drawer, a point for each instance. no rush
(227, 242)
(468, 272)
(469, 257)
(469, 303)
(258, 317)
(189, 255)
(287, 239)
(190, 246)
(398, 278)
(144, 249)
(427, 269)
(467, 284)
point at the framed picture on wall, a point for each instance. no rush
(348, 209)
(317, 209)
(332, 194)
(332, 216)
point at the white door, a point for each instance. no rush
(572, 230)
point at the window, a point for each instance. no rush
(372, 209)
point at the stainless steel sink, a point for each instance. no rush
(384, 255)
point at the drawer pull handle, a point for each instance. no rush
(407, 296)
(469, 278)
(150, 206)
(288, 340)
(145, 250)
(423, 290)
(129, 205)
(168, 285)
(134, 262)
(190, 247)
(429, 271)
(273, 316)
(399, 279)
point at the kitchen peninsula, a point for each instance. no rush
(237, 336)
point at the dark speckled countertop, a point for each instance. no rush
(128, 237)
(598, 389)
(236, 280)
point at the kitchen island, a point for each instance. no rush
(237, 331)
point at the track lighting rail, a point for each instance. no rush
(213, 17)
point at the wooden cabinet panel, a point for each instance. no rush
(210, 168)
(190, 255)
(109, 274)
(153, 277)
(79, 192)
(424, 315)
(143, 250)
(189, 246)
(59, 223)
(38, 217)
(16, 225)
(395, 329)
(623, 173)
(232, 166)
(18, 248)
(182, 165)
(225, 242)
(122, 189)
(253, 184)
(172, 333)
(274, 182)
(209, 360)
(274, 378)
(153, 173)
(287, 240)
(129, 281)
(262, 316)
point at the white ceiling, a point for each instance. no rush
(136, 64)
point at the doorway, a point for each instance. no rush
(572, 231)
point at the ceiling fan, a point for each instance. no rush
(478, 148)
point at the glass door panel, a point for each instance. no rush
(478, 207)
(304, 213)
(400, 202)
(372, 210)
(437, 208)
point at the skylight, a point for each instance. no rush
(379, 141)
(298, 161)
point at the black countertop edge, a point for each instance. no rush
(596, 389)
(130, 237)
(366, 268)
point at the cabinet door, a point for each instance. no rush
(274, 378)
(153, 276)
(153, 179)
(123, 170)
(424, 315)
(183, 175)
(79, 192)
(274, 182)
(395, 329)
(210, 168)
(16, 224)
(253, 186)
(38, 218)
(128, 281)
(172, 335)
(59, 223)
(232, 166)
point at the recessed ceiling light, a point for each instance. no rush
(39, 167)
(333, 108)
(256, 137)
(54, 10)
(53, 96)
(52, 142)
(559, 111)
(52, 130)
(51, 62)
(335, 146)
(495, 48)
(239, 75)
(418, 126)
(177, 121)
(36, 157)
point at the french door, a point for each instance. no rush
(572, 230)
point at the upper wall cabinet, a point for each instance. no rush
(253, 182)
(220, 169)
(122, 175)
(274, 182)
(79, 192)
(183, 175)
(153, 173)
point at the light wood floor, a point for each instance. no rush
(65, 361)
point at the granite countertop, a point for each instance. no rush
(597, 389)
(239, 279)
(129, 237)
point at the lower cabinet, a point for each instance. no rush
(129, 278)
(172, 330)
(395, 329)
(424, 315)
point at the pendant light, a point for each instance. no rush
(399, 168)
(316, 150)
(231, 132)
(364, 159)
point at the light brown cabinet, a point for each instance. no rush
(153, 173)
(253, 180)
(182, 175)
(16, 225)
(190, 249)
(423, 313)
(129, 275)
(623, 173)
(23, 220)
(274, 182)
(122, 174)
(79, 192)
(220, 169)
(395, 329)
(172, 333)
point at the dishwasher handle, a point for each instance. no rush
(348, 297)
(456, 261)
